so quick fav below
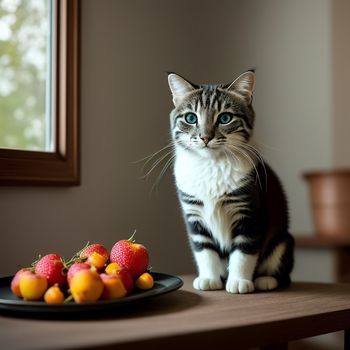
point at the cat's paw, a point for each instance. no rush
(203, 283)
(239, 286)
(266, 283)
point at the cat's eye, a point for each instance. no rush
(225, 118)
(191, 118)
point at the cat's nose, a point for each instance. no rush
(205, 139)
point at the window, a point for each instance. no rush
(26, 66)
(39, 92)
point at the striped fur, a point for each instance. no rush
(233, 203)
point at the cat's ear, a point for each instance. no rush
(244, 85)
(179, 87)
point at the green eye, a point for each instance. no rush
(225, 118)
(191, 118)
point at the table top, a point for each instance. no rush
(187, 317)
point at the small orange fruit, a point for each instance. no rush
(97, 255)
(121, 272)
(113, 268)
(85, 286)
(32, 286)
(97, 260)
(145, 281)
(77, 266)
(113, 287)
(54, 295)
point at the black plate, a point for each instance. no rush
(9, 302)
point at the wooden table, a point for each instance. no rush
(188, 319)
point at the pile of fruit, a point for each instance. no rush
(91, 274)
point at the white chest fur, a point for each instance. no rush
(208, 179)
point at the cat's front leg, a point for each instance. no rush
(209, 270)
(241, 269)
(243, 257)
(207, 256)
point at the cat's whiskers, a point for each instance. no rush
(170, 144)
(227, 157)
(220, 141)
(246, 156)
(252, 149)
(230, 154)
(157, 162)
(258, 155)
(192, 141)
(147, 159)
(265, 145)
(165, 168)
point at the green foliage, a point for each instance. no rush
(24, 34)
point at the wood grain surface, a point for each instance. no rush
(188, 318)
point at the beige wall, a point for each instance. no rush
(341, 80)
(293, 94)
(126, 48)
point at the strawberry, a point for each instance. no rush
(134, 257)
(75, 268)
(97, 255)
(51, 267)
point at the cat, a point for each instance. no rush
(234, 206)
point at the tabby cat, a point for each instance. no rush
(233, 203)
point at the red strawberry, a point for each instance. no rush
(52, 268)
(15, 281)
(134, 257)
(75, 268)
(97, 255)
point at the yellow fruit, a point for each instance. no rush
(113, 287)
(97, 260)
(145, 281)
(113, 268)
(32, 286)
(15, 282)
(54, 295)
(85, 286)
